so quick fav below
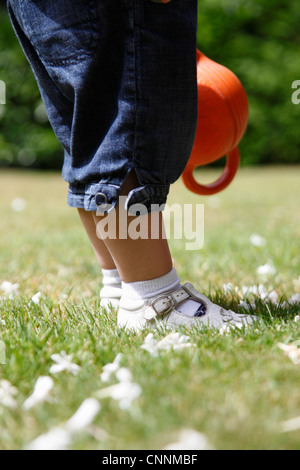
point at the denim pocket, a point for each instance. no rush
(64, 32)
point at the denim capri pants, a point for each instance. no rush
(118, 80)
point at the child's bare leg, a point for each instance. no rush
(129, 260)
(140, 259)
(111, 290)
(103, 256)
(137, 259)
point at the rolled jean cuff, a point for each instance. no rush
(103, 197)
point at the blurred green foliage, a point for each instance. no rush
(257, 39)
(26, 138)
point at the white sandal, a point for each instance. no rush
(136, 314)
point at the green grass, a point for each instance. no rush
(235, 388)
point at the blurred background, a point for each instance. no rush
(257, 39)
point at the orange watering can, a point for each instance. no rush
(222, 120)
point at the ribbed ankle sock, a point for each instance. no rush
(154, 287)
(111, 277)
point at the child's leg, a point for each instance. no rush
(103, 256)
(126, 255)
(111, 290)
(137, 259)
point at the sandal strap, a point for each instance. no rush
(165, 303)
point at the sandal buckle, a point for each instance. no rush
(163, 304)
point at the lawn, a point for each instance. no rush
(235, 389)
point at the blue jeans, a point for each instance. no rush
(118, 80)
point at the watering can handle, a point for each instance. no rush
(232, 165)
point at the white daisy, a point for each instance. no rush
(63, 363)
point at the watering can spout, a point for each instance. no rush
(222, 120)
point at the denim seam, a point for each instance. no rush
(70, 61)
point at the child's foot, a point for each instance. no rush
(166, 309)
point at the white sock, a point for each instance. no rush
(159, 285)
(152, 288)
(111, 277)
